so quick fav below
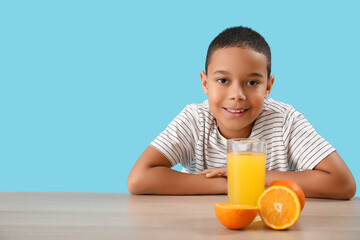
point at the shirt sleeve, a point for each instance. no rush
(306, 147)
(177, 141)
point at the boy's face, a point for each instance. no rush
(236, 84)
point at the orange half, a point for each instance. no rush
(279, 207)
(293, 186)
(235, 216)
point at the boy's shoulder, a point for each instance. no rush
(199, 109)
(199, 106)
(196, 114)
(275, 108)
(272, 105)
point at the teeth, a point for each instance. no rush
(236, 111)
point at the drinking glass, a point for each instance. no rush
(246, 163)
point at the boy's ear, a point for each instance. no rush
(270, 83)
(203, 78)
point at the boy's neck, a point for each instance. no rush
(243, 133)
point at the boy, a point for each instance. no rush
(238, 82)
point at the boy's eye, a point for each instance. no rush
(222, 80)
(252, 83)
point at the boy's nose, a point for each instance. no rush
(237, 93)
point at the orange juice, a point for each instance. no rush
(246, 176)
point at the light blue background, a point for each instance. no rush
(85, 86)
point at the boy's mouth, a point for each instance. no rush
(235, 112)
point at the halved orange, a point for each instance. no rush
(294, 186)
(235, 216)
(279, 207)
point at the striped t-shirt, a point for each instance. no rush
(193, 139)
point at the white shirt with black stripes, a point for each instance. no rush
(193, 139)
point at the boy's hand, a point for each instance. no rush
(214, 172)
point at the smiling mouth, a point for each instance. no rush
(235, 112)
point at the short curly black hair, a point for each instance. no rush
(240, 37)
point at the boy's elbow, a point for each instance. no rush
(135, 185)
(348, 189)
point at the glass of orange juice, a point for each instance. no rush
(246, 163)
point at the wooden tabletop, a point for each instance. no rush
(51, 215)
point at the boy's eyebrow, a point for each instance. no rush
(221, 72)
(254, 74)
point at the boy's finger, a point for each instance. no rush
(202, 172)
(212, 174)
(217, 173)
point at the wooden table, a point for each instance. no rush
(51, 215)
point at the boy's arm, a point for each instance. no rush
(152, 174)
(331, 178)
